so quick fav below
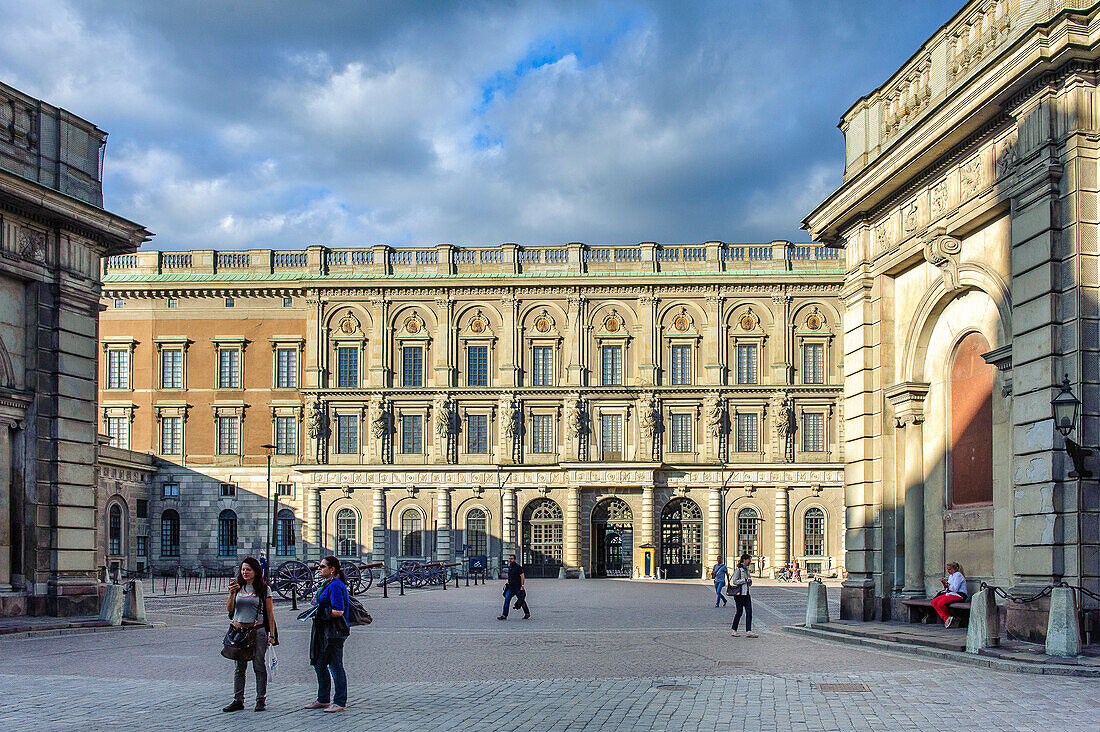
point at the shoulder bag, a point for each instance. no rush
(239, 644)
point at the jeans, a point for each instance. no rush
(718, 585)
(743, 603)
(332, 663)
(259, 665)
(508, 595)
(940, 603)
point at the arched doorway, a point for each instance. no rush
(682, 538)
(542, 538)
(612, 538)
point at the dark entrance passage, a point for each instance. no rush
(682, 538)
(612, 539)
(542, 538)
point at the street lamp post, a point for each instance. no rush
(274, 507)
(1066, 407)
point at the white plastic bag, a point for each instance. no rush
(272, 663)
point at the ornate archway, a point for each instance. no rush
(682, 538)
(612, 538)
(542, 538)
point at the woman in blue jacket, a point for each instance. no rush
(326, 639)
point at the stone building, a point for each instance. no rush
(53, 231)
(573, 403)
(969, 217)
(124, 480)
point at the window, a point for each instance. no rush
(746, 364)
(173, 302)
(346, 544)
(143, 546)
(286, 436)
(114, 530)
(142, 508)
(542, 433)
(813, 432)
(119, 303)
(412, 433)
(230, 302)
(288, 302)
(681, 365)
(228, 490)
(813, 526)
(681, 433)
(748, 433)
(347, 366)
(171, 368)
(171, 490)
(347, 434)
(284, 533)
(412, 366)
(169, 534)
(229, 435)
(611, 365)
(611, 436)
(542, 365)
(477, 366)
(118, 429)
(229, 368)
(171, 429)
(411, 535)
(477, 535)
(477, 434)
(813, 363)
(284, 490)
(286, 368)
(748, 532)
(118, 369)
(227, 534)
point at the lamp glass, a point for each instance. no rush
(1065, 406)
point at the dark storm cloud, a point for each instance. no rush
(254, 124)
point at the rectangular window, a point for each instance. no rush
(171, 437)
(746, 364)
(229, 368)
(229, 302)
(813, 432)
(477, 434)
(347, 366)
(681, 433)
(228, 490)
(681, 365)
(142, 508)
(611, 436)
(611, 365)
(542, 433)
(412, 366)
(284, 490)
(229, 435)
(173, 302)
(286, 436)
(813, 363)
(142, 546)
(412, 434)
(542, 365)
(119, 303)
(171, 368)
(118, 429)
(286, 368)
(288, 302)
(171, 490)
(748, 434)
(477, 366)
(118, 369)
(347, 434)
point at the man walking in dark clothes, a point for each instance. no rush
(515, 589)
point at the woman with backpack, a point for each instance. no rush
(326, 639)
(250, 609)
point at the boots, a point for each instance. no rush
(261, 704)
(234, 706)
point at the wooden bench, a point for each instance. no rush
(921, 611)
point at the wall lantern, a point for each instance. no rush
(1066, 407)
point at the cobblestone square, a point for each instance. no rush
(597, 654)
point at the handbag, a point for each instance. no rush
(239, 644)
(357, 614)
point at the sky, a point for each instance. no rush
(244, 124)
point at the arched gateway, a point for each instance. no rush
(612, 538)
(682, 538)
(542, 538)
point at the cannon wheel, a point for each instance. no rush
(367, 578)
(354, 576)
(290, 575)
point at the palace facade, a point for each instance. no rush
(572, 404)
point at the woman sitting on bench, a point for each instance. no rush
(954, 590)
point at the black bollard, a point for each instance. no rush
(468, 578)
(385, 588)
(294, 597)
(456, 580)
(402, 578)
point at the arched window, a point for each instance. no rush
(412, 544)
(114, 530)
(227, 534)
(170, 534)
(971, 423)
(813, 532)
(346, 534)
(748, 532)
(284, 533)
(477, 533)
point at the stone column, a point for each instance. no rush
(378, 525)
(508, 531)
(649, 340)
(647, 515)
(714, 527)
(443, 524)
(6, 528)
(782, 527)
(316, 539)
(445, 308)
(573, 528)
(781, 317)
(716, 363)
(908, 401)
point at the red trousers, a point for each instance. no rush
(940, 603)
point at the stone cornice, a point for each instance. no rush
(907, 398)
